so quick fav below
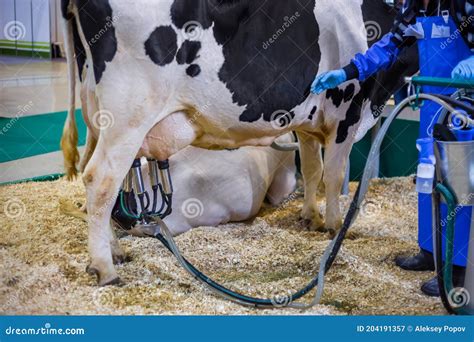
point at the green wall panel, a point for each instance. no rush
(398, 155)
(34, 135)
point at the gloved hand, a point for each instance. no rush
(328, 80)
(464, 70)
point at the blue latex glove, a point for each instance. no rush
(328, 80)
(464, 70)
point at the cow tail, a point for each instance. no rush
(69, 138)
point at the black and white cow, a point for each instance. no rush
(218, 74)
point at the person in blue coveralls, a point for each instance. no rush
(444, 30)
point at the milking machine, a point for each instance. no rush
(130, 214)
(446, 172)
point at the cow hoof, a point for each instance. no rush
(113, 282)
(92, 271)
(313, 225)
(103, 281)
(313, 222)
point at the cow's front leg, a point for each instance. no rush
(335, 163)
(312, 170)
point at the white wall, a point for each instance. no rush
(25, 26)
(7, 15)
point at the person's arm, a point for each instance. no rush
(381, 55)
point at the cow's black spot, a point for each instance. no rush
(352, 117)
(268, 76)
(313, 111)
(162, 45)
(349, 92)
(96, 20)
(263, 76)
(193, 70)
(336, 95)
(187, 53)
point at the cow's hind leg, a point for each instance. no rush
(335, 164)
(312, 170)
(102, 177)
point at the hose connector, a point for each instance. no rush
(165, 177)
(154, 173)
(138, 184)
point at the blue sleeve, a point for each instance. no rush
(380, 56)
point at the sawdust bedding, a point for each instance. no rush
(43, 256)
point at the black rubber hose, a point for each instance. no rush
(259, 302)
(163, 201)
(155, 198)
(169, 208)
(148, 202)
(141, 198)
